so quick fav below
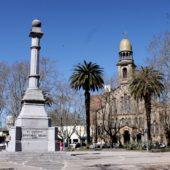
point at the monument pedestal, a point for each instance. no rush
(32, 132)
(33, 139)
(15, 143)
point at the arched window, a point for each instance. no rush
(135, 121)
(122, 122)
(114, 109)
(124, 72)
(121, 105)
(141, 123)
(126, 103)
(139, 137)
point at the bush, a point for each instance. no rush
(143, 146)
(69, 148)
(130, 146)
(161, 150)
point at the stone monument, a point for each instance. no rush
(31, 131)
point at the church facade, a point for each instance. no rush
(117, 116)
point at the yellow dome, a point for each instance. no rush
(125, 45)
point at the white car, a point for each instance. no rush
(73, 145)
(2, 146)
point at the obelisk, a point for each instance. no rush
(31, 127)
(33, 112)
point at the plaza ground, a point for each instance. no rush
(86, 160)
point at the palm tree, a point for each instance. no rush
(147, 83)
(89, 77)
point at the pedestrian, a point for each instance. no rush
(61, 145)
(7, 139)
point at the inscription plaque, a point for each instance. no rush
(34, 133)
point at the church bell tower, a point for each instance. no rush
(126, 65)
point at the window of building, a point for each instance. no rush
(114, 106)
(124, 73)
(129, 122)
(75, 140)
(139, 137)
(122, 122)
(127, 103)
(135, 121)
(121, 105)
(141, 123)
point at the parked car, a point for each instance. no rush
(98, 145)
(154, 145)
(162, 145)
(2, 146)
(116, 145)
(78, 145)
(106, 145)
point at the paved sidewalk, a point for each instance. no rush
(118, 160)
(16, 166)
(86, 160)
(32, 161)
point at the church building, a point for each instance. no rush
(117, 113)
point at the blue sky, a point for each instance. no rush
(77, 30)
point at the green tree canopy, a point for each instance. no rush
(147, 82)
(88, 76)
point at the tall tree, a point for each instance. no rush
(111, 124)
(147, 83)
(4, 72)
(67, 106)
(17, 83)
(89, 77)
(16, 86)
(159, 49)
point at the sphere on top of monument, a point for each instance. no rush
(36, 23)
(125, 45)
(36, 29)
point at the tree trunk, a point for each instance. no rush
(87, 107)
(112, 141)
(96, 128)
(147, 101)
(168, 136)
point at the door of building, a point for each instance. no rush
(126, 137)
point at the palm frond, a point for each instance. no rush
(88, 76)
(146, 82)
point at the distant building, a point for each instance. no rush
(72, 134)
(127, 114)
